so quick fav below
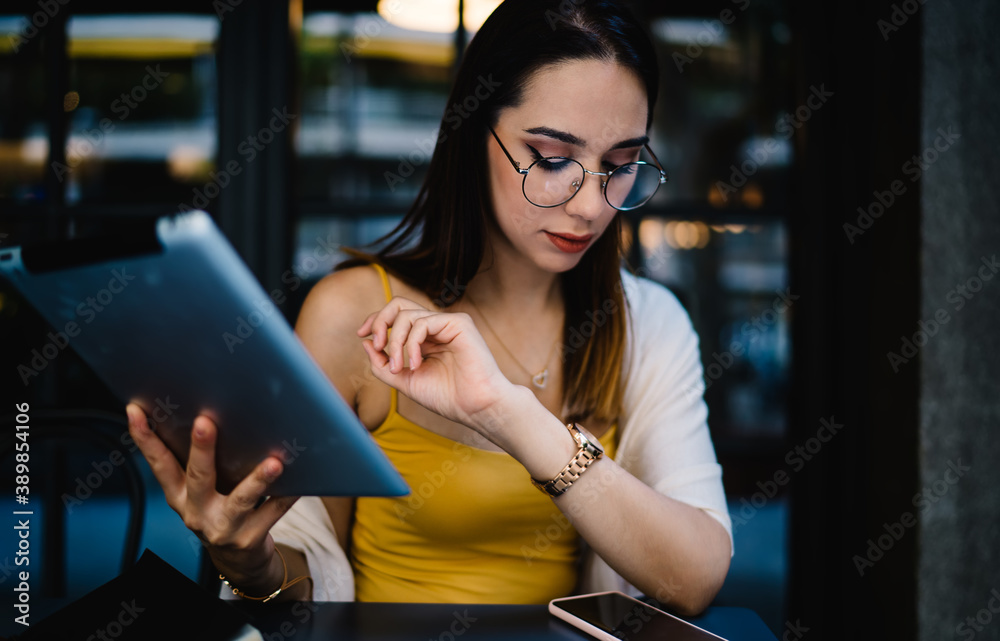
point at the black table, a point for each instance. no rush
(449, 622)
(307, 621)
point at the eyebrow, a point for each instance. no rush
(570, 139)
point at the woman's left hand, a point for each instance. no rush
(451, 370)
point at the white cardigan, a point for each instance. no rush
(664, 442)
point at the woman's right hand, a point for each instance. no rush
(233, 528)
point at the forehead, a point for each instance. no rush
(598, 101)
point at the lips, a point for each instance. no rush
(569, 243)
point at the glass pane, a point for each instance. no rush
(733, 280)
(142, 107)
(319, 241)
(372, 98)
(24, 135)
(723, 120)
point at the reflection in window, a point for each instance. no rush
(372, 98)
(733, 280)
(23, 132)
(141, 104)
(722, 117)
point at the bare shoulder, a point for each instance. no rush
(343, 295)
(332, 313)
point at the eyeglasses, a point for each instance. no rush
(552, 181)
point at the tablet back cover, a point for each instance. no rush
(184, 328)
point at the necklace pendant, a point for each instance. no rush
(539, 379)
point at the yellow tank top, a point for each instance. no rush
(473, 529)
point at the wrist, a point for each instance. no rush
(260, 578)
(531, 434)
(493, 421)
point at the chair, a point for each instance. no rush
(55, 438)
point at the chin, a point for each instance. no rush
(560, 263)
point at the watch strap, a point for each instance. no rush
(584, 458)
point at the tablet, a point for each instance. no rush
(171, 318)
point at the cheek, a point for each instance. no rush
(515, 215)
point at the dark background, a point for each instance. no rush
(898, 74)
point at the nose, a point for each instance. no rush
(589, 202)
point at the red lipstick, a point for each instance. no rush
(568, 242)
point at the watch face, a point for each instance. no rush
(586, 440)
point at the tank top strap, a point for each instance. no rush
(385, 281)
(393, 394)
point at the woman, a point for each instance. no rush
(512, 326)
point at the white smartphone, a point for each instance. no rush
(613, 616)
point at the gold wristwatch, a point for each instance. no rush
(589, 452)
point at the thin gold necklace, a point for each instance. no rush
(538, 380)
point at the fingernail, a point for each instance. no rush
(199, 431)
(392, 363)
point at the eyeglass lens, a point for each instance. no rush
(551, 182)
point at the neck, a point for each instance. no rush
(508, 282)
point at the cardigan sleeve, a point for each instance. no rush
(306, 527)
(665, 441)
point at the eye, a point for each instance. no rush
(621, 160)
(552, 164)
(626, 169)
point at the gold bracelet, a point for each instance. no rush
(265, 599)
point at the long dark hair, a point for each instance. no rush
(439, 245)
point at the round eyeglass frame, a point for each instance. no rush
(604, 183)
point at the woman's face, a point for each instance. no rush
(589, 110)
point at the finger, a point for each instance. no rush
(402, 326)
(377, 358)
(201, 461)
(264, 518)
(166, 469)
(415, 342)
(386, 318)
(366, 327)
(380, 367)
(247, 494)
(380, 329)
